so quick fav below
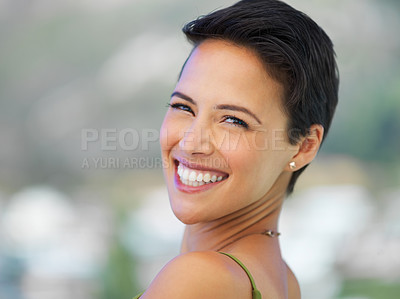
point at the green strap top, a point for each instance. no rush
(255, 293)
(138, 295)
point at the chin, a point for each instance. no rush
(187, 221)
(186, 215)
(185, 218)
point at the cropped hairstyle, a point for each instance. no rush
(295, 51)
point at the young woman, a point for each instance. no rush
(251, 108)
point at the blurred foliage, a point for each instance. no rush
(119, 277)
(370, 289)
(11, 273)
(371, 131)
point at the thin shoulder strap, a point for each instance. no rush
(256, 293)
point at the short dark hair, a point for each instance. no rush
(295, 50)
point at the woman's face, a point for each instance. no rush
(223, 138)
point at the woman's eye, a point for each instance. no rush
(182, 107)
(236, 121)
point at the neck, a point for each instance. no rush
(220, 233)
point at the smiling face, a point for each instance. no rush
(224, 136)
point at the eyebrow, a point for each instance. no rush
(220, 107)
(238, 108)
(183, 96)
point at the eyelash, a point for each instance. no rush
(236, 121)
(180, 106)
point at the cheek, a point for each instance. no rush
(169, 133)
(260, 170)
(164, 135)
(230, 141)
(258, 161)
(252, 175)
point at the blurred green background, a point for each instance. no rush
(82, 219)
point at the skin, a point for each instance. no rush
(201, 128)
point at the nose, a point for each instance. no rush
(197, 139)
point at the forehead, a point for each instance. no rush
(227, 59)
(218, 70)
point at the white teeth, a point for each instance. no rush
(206, 177)
(199, 177)
(192, 178)
(185, 174)
(180, 170)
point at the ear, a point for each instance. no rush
(307, 148)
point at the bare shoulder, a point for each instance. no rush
(202, 274)
(293, 285)
(273, 278)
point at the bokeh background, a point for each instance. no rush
(83, 209)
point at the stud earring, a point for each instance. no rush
(292, 165)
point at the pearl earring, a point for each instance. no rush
(292, 165)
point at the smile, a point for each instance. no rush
(195, 177)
